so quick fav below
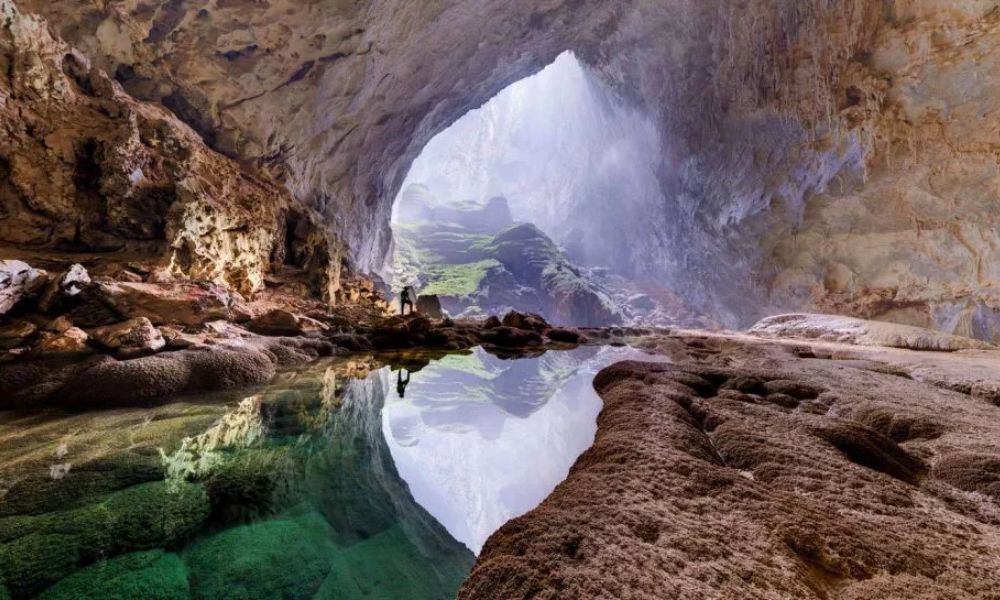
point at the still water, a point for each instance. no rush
(367, 477)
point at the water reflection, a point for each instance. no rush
(340, 480)
(481, 440)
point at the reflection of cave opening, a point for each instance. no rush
(545, 200)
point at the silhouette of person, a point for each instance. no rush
(406, 299)
(402, 383)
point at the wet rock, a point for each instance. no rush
(72, 340)
(182, 303)
(509, 337)
(283, 322)
(492, 322)
(531, 321)
(134, 337)
(565, 336)
(430, 306)
(18, 281)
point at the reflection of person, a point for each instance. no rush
(406, 299)
(401, 383)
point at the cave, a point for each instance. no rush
(653, 254)
(567, 168)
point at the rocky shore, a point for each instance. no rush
(73, 340)
(755, 468)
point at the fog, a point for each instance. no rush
(568, 155)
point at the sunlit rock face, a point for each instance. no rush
(818, 152)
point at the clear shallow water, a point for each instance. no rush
(324, 484)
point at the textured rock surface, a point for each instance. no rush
(17, 282)
(134, 337)
(849, 330)
(84, 167)
(782, 477)
(847, 144)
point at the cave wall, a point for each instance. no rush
(788, 124)
(88, 171)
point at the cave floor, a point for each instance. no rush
(755, 468)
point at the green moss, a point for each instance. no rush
(40, 549)
(388, 566)
(284, 558)
(458, 280)
(35, 561)
(153, 575)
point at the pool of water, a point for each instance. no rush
(367, 477)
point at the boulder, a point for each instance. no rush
(59, 324)
(183, 303)
(492, 322)
(282, 322)
(531, 321)
(72, 340)
(134, 337)
(565, 336)
(68, 285)
(15, 333)
(430, 306)
(17, 282)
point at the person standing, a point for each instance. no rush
(406, 299)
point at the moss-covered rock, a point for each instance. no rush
(38, 550)
(284, 558)
(152, 575)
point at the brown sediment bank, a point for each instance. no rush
(750, 468)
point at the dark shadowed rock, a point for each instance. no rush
(530, 321)
(430, 306)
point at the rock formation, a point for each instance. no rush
(783, 124)
(477, 260)
(85, 168)
(813, 470)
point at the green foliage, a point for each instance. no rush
(458, 280)
(153, 575)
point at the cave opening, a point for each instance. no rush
(542, 200)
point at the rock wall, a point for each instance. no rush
(790, 126)
(85, 168)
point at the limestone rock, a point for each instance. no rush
(848, 330)
(134, 337)
(283, 322)
(87, 168)
(530, 321)
(430, 306)
(15, 333)
(65, 286)
(72, 340)
(182, 303)
(17, 282)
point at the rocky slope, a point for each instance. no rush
(477, 260)
(86, 170)
(753, 469)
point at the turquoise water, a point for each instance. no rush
(352, 478)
